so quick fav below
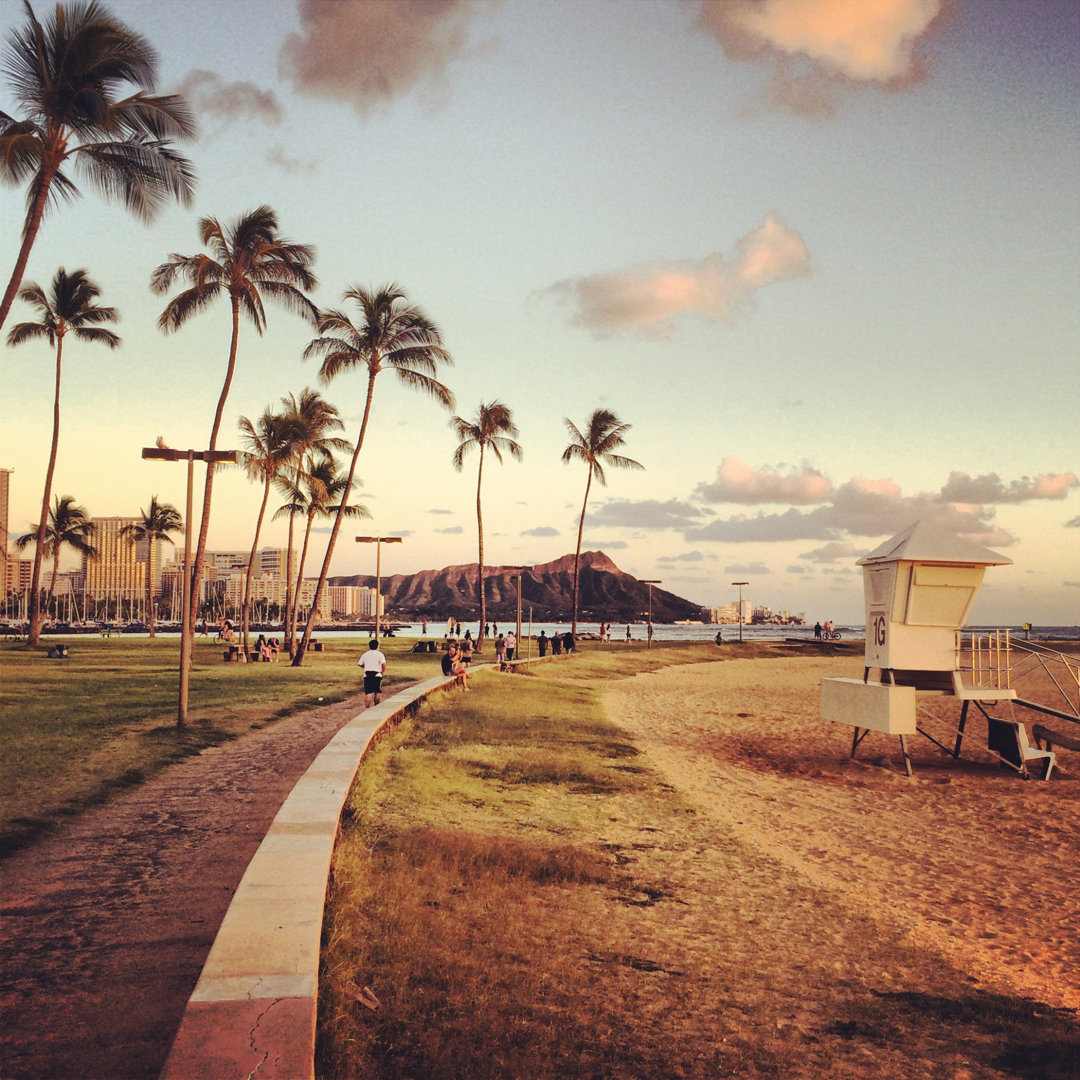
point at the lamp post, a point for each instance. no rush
(187, 625)
(378, 541)
(650, 582)
(517, 630)
(740, 584)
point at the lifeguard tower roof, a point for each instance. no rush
(926, 543)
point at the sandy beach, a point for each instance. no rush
(964, 860)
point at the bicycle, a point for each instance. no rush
(11, 634)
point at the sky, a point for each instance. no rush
(823, 257)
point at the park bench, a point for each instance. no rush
(1009, 740)
(1052, 738)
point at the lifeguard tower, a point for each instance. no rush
(918, 591)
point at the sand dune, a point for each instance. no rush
(965, 858)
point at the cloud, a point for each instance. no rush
(647, 298)
(541, 530)
(646, 514)
(1074, 524)
(210, 95)
(814, 47)
(864, 507)
(369, 53)
(686, 556)
(755, 568)
(737, 482)
(278, 157)
(831, 552)
(1071, 584)
(990, 489)
(438, 510)
(450, 530)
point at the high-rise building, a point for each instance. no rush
(116, 573)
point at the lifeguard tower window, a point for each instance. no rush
(941, 595)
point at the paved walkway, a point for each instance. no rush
(104, 927)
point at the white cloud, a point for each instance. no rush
(737, 482)
(648, 297)
(755, 568)
(831, 552)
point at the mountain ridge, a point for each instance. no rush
(605, 593)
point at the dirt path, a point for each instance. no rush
(105, 926)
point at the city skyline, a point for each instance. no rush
(826, 268)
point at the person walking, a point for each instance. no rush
(511, 644)
(542, 642)
(500, 652)
(374, 664)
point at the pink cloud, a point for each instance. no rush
(647, 297)
(369, 53)
(990, 488)
(737, 482)
(814, 45)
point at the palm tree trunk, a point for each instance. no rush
(245, 636)
(300, 571)
(150, 584)
(480, 535)
(577, 553)
(33, 223)
(204, 525)
(298, 659)
(288, 619)
(34, 615)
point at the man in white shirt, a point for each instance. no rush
(374, 664)
(511, 644)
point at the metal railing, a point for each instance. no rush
(988, 656)
(1062, 669)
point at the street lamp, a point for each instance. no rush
(378, 541)
(650, 582)
(187, 625)
(740, 584)
(517, 631)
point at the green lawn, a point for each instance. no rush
(75, 731)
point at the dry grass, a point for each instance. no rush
(528, 898)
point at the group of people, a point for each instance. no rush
(266, 648)
(559, 643)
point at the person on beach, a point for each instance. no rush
(500, 651)
(719, 637)
(817, 630)
(556, 644)
(542, 643)
(511, 644)
(568, 643)
(628, 638)
(374, 664)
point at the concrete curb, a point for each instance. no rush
(252, 1013)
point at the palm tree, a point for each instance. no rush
(311, 419)
(69, 307)
(322, 485)
(67, 525)
(72, 78)
(155, 524)
(267, 447)
(603, 435)
(249, 263)
(492, 428)
(391, 335)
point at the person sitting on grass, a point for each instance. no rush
(453, 664)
